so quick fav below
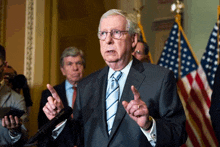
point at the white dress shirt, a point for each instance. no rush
(69, 92)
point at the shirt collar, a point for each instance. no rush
(124, 70)
(68, 85)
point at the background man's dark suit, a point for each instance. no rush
(72, 65)
(215, 105)
(157, 88)
(42, 119)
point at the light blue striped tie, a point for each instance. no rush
(112, 97)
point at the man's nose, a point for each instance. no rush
(133, 53)
(108, 38)
(75, 67)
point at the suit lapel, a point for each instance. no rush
(63, 94)
(135, 77)
(100, 93)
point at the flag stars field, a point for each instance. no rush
(210, 57)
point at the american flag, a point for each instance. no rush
(193, 88)
(209, 60)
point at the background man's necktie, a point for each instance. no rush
(112, 97)
(74, 98)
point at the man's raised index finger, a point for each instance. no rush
(53, 92)
(135, 92)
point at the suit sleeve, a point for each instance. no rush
(42, 118)
(72, 134)
(215, 105)
(66, 138)
(171, 124)
(20, 104)
(45, 140)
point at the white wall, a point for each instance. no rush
(200, 17)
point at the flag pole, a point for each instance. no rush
(139, 22)
(178, 8)
(141, 29)
(178, 20)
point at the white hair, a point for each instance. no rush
(132, 26)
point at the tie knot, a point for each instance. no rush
(117, 75)
(74, 87)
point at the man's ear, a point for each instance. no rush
(134, 40)
(62, 70)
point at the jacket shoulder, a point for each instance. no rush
(156, 69)
(93, 76)
(56, 87)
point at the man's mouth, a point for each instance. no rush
(75, 75)
(110, 51)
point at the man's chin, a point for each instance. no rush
(111, 60)
(75, 79)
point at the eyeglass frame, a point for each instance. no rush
(138, 52)
(111, 33)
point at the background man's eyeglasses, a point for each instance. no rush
(139, 52)
(116, 34)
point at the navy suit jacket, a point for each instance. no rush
(157, 87)
(42, 119)
(215, 105)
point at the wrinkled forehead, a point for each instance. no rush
(73, 58)
(140, 46)
(113, 22)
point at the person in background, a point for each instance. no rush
(12, 132)
(72, 65)
(127, 103)
(20, 85)
(9, 74)
(214, 110)
(141, 51)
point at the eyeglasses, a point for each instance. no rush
(138, 52)
(116, 34)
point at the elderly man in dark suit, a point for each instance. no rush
(125, 104)
(72, 64)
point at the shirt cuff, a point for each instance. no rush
(56, 132)
(15, 136)
(151, 134)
